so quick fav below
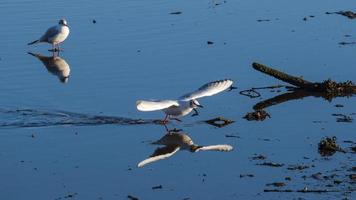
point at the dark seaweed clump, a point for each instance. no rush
(328, 146)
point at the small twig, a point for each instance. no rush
(252, 93)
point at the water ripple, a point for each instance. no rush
(15, 118)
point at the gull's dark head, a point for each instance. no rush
(195, 104)
(63, 22)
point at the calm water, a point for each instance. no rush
(138, 50)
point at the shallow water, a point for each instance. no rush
(51, 147)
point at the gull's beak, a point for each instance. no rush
(200, 106)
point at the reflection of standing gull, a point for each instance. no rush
(185, 104)
(54, 35)
(55, 65)
(173, 142)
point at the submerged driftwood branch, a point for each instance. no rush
(296, 81)
(328, 87)
(298, 94)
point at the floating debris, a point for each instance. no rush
(258, 115)
(348, 14)
(71, 195)
(352, 177)
(353, 149)
(276, 184)
(94, 21)
(157, 187)
(216, 3)
(132, 197)
(297, 167)
(219, 122)
(343, 118)
(317, 176)
(346, 43)
(263, 20)
(246, 175)
(319, 122)
(306, 18)
(210, 42)
(328, 146)
(271, 164)
(176, 13)
(232, 136)
(259, 157)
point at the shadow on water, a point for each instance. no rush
(296, 94)
(55, 65)
(175, 140)
(17, 118)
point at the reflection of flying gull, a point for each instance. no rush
(173, 142)
(54, 35)
(55, 65)
(185, 104)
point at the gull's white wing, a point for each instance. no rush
(160, 154)
(51, 32)
(144, 105)
(219, 147)
(208, 89)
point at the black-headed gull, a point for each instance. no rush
(55, 65)
(54, 35)
(186, 103)
(173, 142)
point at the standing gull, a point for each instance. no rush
(54, 35)
(186, 103)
